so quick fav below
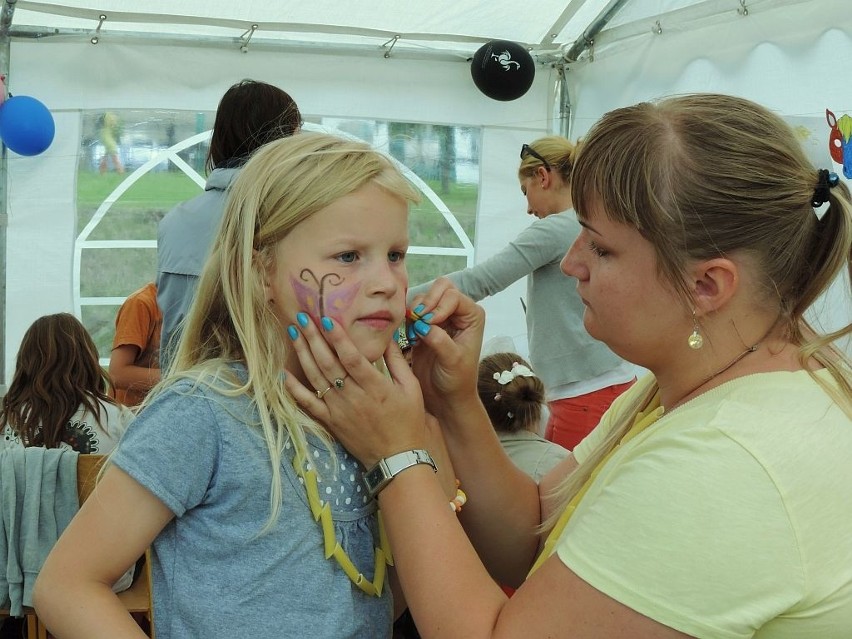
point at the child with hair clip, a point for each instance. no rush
(261, 524)
(513, 397)
(59, 392)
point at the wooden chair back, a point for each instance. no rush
(137, 599)
(88, 467)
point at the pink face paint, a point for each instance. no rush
(324, 296)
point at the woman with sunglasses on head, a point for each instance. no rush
(581, 375)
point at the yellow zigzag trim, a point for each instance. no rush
(321, 512)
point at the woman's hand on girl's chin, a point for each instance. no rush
(373, 415)
(447, 359)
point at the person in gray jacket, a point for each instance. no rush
(249, 115)
(581, 375)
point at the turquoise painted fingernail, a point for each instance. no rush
(411, 335)
(292, 332)
(327, 324)
(428, 317)
(396, 335)
(419, 308)
(302, 318)
(421, 328)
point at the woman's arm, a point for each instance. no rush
(537, 245)
(503, 509)
(451, 595)
(447, 587)
(126, 374)
(114, 527)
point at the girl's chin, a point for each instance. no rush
(373, 350)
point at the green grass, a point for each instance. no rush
(136, 213)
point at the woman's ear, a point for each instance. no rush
(543, 177)
(714, 283)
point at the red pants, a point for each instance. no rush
(573, 418)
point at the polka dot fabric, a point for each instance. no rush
(342, 487)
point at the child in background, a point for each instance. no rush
(261, 524)
(59, 392)
(513, 397)
(134, 363)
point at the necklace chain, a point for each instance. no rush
(749, 350)
(321, 512)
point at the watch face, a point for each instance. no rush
(374, 477)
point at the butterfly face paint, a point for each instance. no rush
(327, 295)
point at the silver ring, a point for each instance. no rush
(322, 392)
(338, 382)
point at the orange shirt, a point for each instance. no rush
(138, 323)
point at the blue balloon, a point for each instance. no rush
(26, 125)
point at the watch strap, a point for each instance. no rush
(387, 468)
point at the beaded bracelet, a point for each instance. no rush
(460, 499)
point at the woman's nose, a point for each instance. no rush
(572, 264)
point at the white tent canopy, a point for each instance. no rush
(393, 61)
(439, 28)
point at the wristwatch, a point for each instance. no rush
(386, 469)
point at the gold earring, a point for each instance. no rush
(695, 340)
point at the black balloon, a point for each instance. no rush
(502, 70)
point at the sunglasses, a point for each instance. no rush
(526, 150)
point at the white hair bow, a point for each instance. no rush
(518, 370)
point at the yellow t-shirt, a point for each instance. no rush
(729, 517)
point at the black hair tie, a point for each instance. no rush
(826, 180)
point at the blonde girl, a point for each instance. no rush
(261, 525)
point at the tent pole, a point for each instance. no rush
(563, 103)
(6, 14)
(586, 40)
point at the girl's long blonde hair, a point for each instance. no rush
(706, 175)
(282, 185)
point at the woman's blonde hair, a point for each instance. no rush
(706, 175)
(282, 185)
(559, 152)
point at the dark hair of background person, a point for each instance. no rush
(249, 115)
(520, 401)
(56, 372)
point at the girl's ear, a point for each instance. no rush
(715, 282)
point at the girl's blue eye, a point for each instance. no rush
(348, 257)
(396, 256)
